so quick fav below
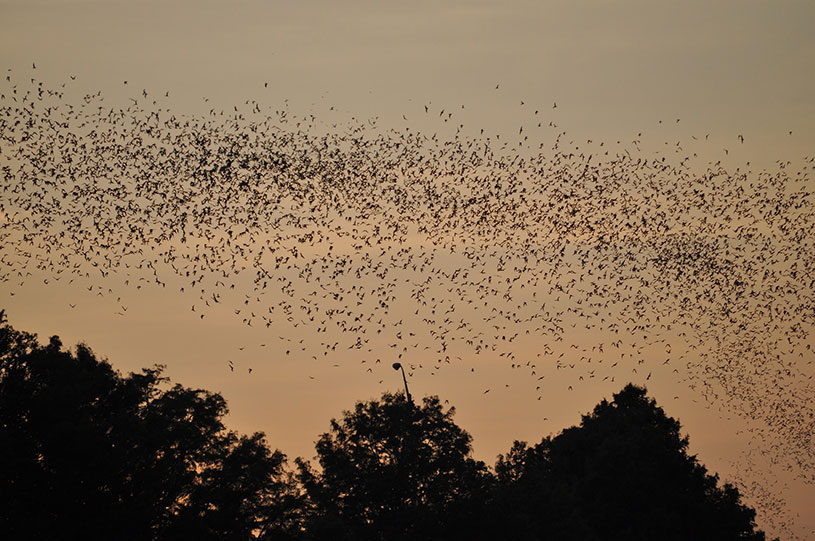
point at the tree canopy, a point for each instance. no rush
(623, 473)
(391, 469)
(86, 453)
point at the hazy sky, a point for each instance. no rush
(615, 69)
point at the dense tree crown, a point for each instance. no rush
(391, 469)
(624, 473)
(86, 453)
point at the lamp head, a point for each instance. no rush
(397, 366)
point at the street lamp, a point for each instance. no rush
(397, 367)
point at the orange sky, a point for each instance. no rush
(614, 69)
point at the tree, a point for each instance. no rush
(393, 470)
(624, 473)
(86, 453)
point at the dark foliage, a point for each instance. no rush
(88, 454)
(624, 473)
(394, 470)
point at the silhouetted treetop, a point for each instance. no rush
(624, 473)
(391, 469)
(86, 453)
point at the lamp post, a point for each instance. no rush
(397, 367)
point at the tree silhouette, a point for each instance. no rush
(624, 473)
(88, 454)
(393, 470)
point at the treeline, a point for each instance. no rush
(86, 453)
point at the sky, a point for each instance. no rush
(730, 81)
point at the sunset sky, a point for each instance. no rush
(730, 81)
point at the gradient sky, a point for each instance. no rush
(615, 69)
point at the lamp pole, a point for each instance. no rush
(397, 367)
